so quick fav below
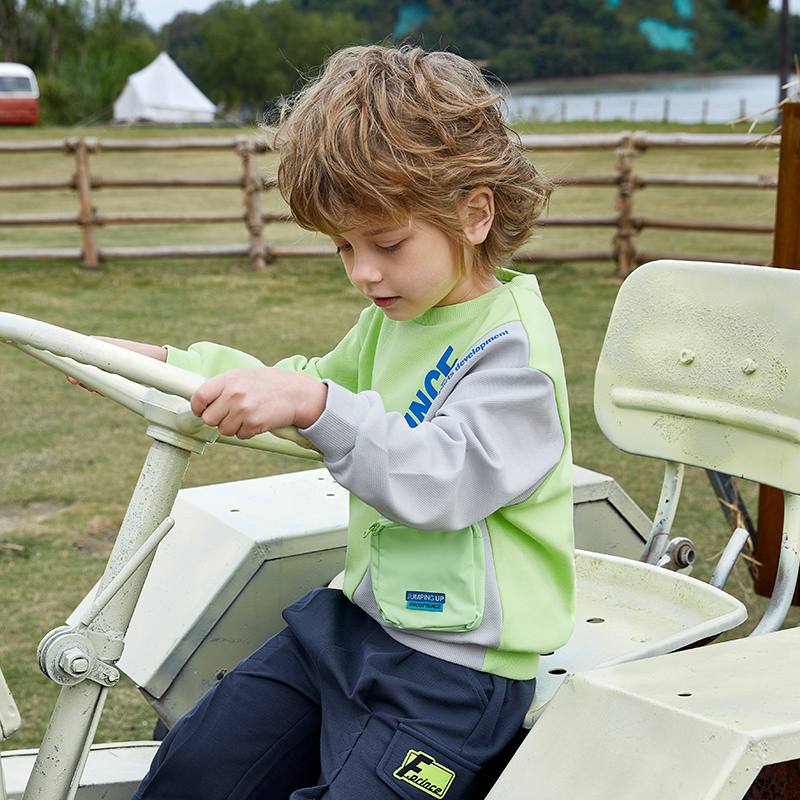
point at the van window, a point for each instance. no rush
(15, 83)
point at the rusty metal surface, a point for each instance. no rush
(776, 782)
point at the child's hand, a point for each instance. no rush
(246, 402)
(151, 350)
(158, 353)
(75, 382)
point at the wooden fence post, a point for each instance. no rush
(83, 180)
(786, 254)
(624, 249)
(259, 257)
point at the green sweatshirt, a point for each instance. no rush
(454, 423)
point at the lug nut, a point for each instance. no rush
(74, 662)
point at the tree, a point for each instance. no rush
(753, 10)
(756, 11)
(784, 37)
(9, 22)
(18, 28)
(101, 46)
(248, 56)
(183, 40)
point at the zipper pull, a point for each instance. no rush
(374, 528)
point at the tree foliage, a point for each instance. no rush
(246, 56)
(753, 10)
(525, 39)
(91, 74)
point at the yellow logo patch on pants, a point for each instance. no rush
(423, 771)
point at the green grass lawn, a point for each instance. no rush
(69, 460)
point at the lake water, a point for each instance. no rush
(641, 98)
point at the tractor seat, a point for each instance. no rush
(628, 610)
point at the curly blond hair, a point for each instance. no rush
(394, 133)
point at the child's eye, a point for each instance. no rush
(391, 248)
(342, 248)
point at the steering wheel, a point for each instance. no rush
(128, 378)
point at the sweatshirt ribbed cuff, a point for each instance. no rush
(336, 430)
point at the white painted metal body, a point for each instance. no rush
(238, 555)
(113, 771)
(10, 720)
(694, 725)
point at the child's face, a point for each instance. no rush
(407, 269)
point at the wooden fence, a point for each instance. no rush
(625, 146)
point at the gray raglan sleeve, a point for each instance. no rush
(489, 441)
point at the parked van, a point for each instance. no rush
(19, 95)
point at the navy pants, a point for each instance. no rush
(332, 707)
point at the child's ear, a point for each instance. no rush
(477, 213)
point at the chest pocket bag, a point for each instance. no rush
(428, 580)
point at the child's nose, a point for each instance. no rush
(365, 270)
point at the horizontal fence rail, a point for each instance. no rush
(625, 146)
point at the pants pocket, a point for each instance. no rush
(415, 768)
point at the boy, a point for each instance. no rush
(444, 413)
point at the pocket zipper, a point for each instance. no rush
(375, 527)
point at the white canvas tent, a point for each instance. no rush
(161, 92)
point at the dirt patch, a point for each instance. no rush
(15, 517)
(98, 544)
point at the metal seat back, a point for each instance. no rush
(701, 366)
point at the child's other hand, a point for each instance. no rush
(75, 382)
(151, 350)
(246, 402)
